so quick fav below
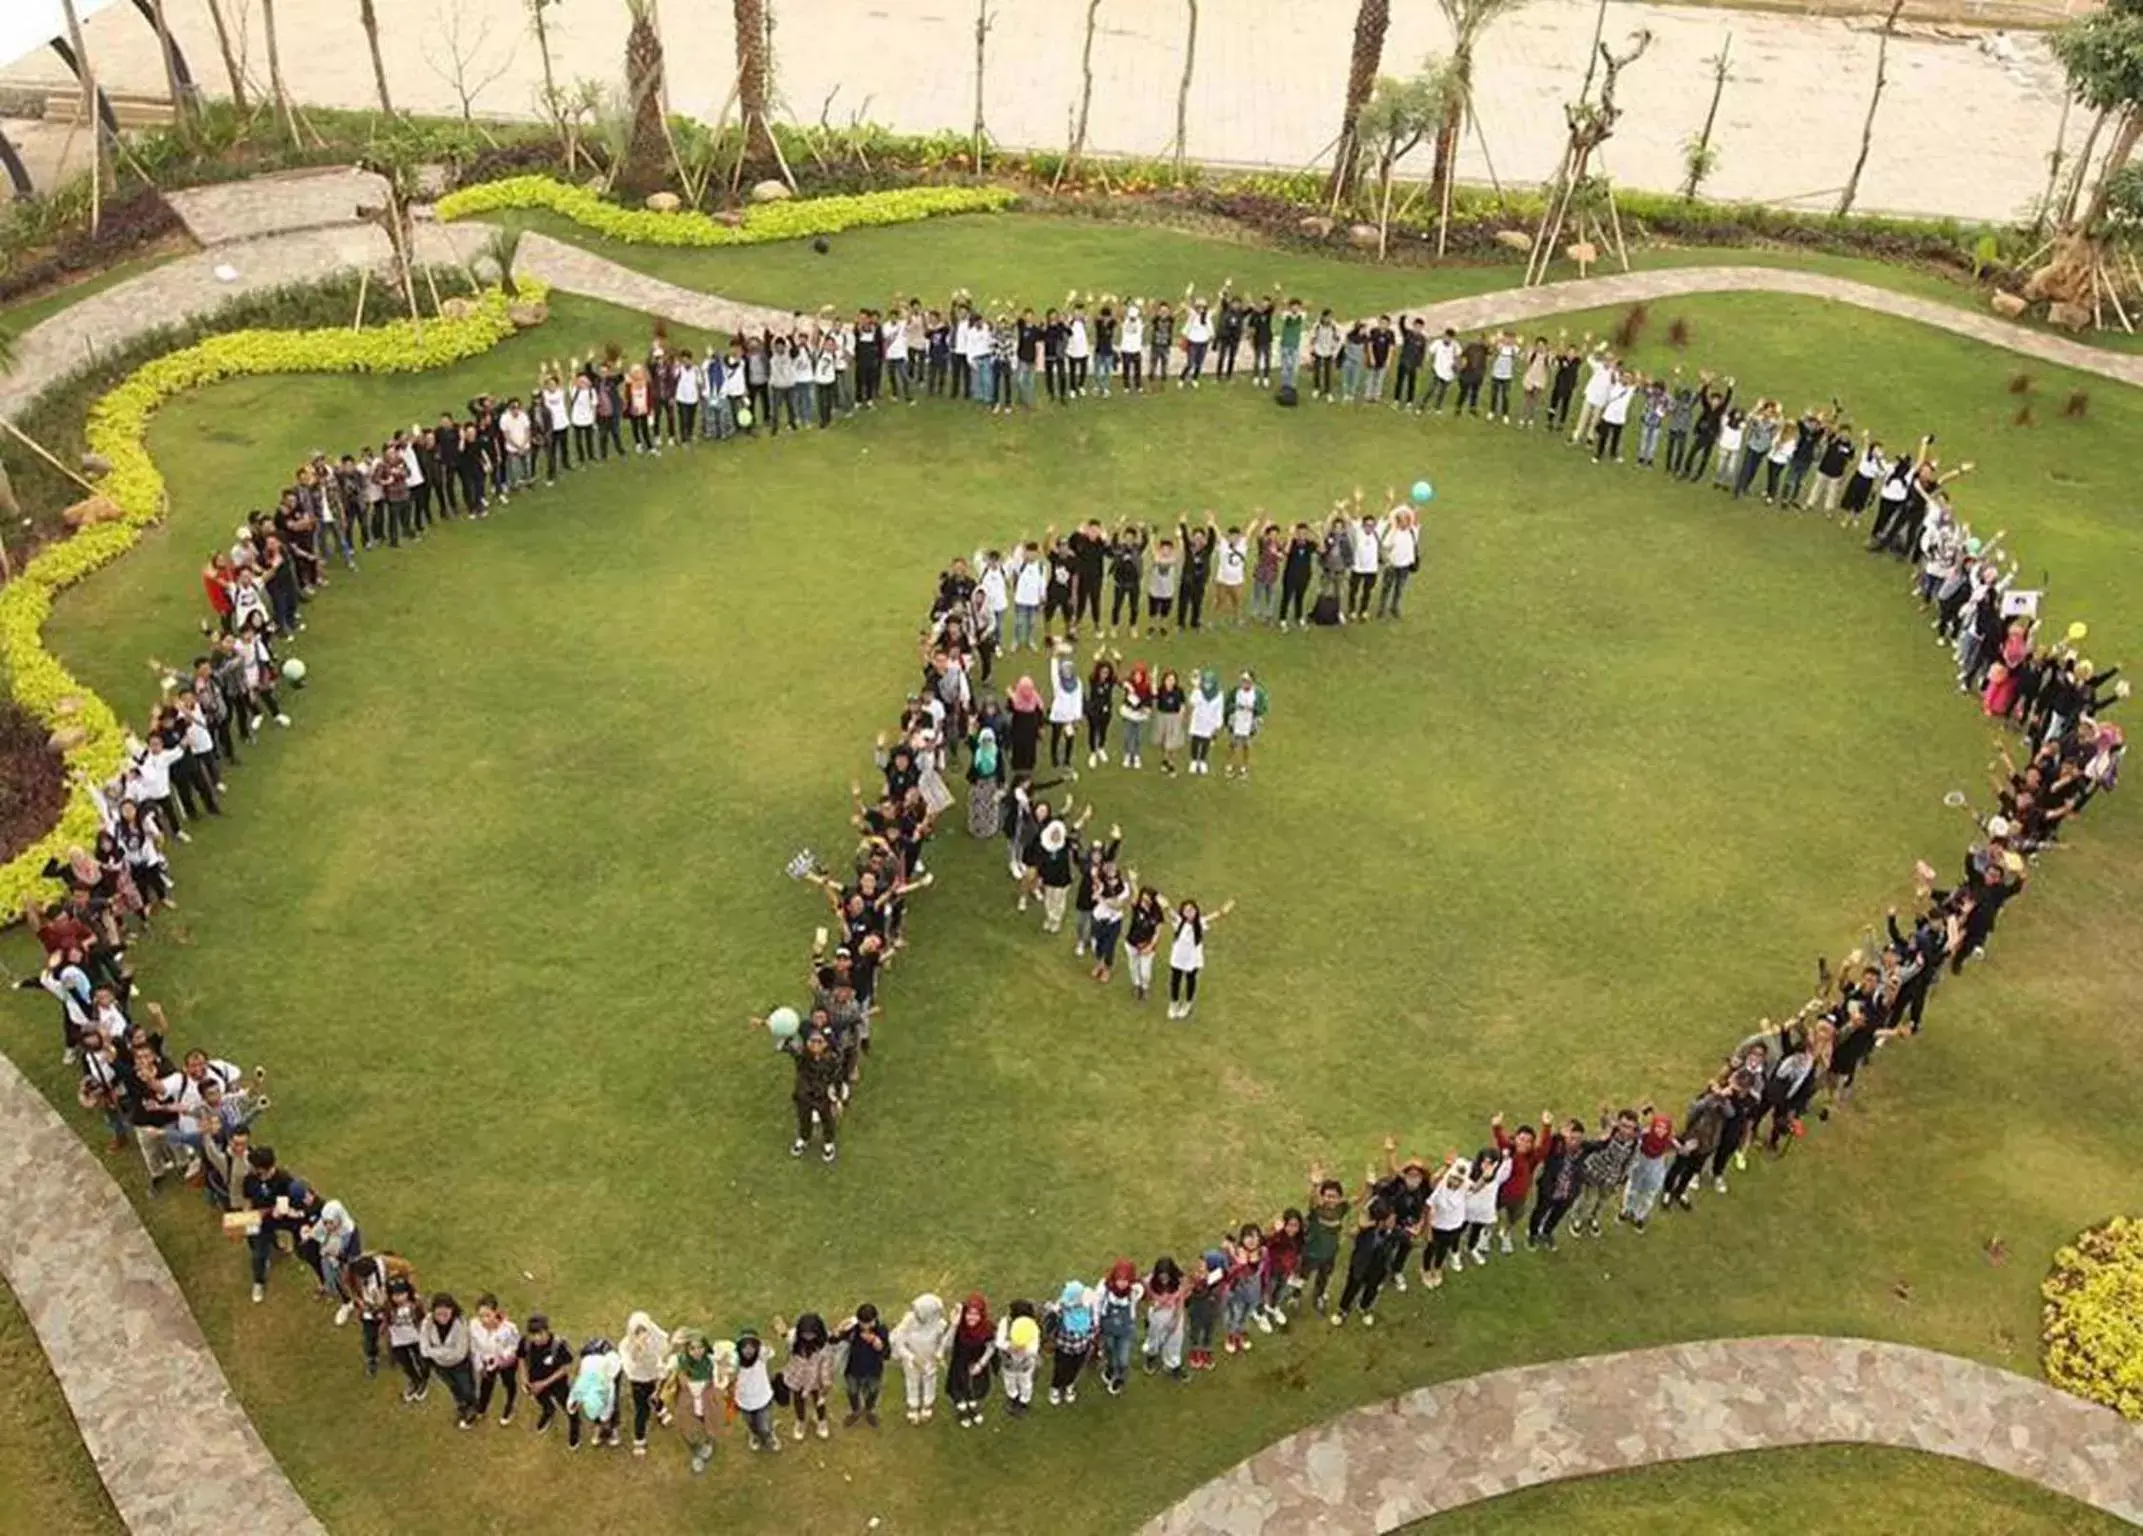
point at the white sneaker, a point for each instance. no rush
(1458, 1261)
(1398, 1282)
(1719, 1184)
(260, 1293)
(1506, 1240)
(342, 1314)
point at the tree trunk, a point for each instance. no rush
(755, 79)
(982, 37)
(230, 57)
(1183, 90)
(2124, 146)
(1086, 88)
(369, 17)
(1702, 152)
(276, 90)
(2079, 170)
(1371, 21)
(551, 102)
(647, 149)
(98, 163)
(182, 99)
(1875, 99)
(1445, 166)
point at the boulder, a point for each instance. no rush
(2070, 317)
(528, 313)
(1363, 236)
(668, 202)
(66, 739)
(771, 191)
(2010, 305)
(486, 269)
(457, 308)
(95, 465)
(90, 511)
(1514, 239)
(1316, 226)
(1583, 252)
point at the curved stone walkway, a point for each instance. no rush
(178, 1454)
(1378, 1468)
(176, 1451)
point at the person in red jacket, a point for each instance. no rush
(1527, 1151)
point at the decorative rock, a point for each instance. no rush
(96, 465)
(1317, 226)
(670, 202)
(732, 217)
(486, 269)
(2070, 317)
(433, 182)
(1514, 239)
(771, 191)
(1364, 236)
(2010, 304)
(528, 313)
(457, 308)
(1583, 252)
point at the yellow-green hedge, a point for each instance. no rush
(117, 429)
(2093, 1328)
(762, 223)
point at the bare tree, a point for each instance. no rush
(1371, 21)
(183, 97)
(98, 166)
(984, 20)
(1086, 89)
(1591, 124)
(1183, 90)
(461, 72)
(1698, 157)
(276, 89)
(368, 17)
(1875, 99)
(1468, 19)
(230, 54)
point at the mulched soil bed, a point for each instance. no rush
(33, 782)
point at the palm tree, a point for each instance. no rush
(755, 79)
(647, 145)
(1371, 21)
(1468, 19)
(368, 16)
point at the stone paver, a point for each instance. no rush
(1378, 1468)
(175, 1449)
(274, 205)
(1961, 131)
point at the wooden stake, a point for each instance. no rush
(39, 449)
(364, 282)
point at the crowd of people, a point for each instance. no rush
(1340, 1251)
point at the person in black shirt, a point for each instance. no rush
(1105, 331)
(1564, 387)
(547, 1367)
(1295, 573)
(1160, 341)
(1127, 560)
(1228, 337)
(864, 1372)
(1261, 344)
(870, 357)
(1027, 358)
(1054, 335)
(1089, 549)
(1197, 570)
(1405, 1191)
(1063, 581)
(1413, 348)
(285, 1202)
(1472, 369)
(1378, 357)
(1378, 1255)
(1712, 403)
(1833, 460)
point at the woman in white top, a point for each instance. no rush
(580, 411)
(1078, 349)
(1131, 347)
(495, 1346)
(1197, 337)
(1067, 707)
(1246, 712)
(559, 418)
(1208, 710)
(1186, 954)
(644, 1348)
(753, 1393)
(894, 336)
(684, 394)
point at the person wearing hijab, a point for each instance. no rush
(334, 1232)
(1073, 1319)
(1024, 731)
(920, 1341)
(974, 1347)
(1208, 710)
(1116, 1319)
(1067, 706)
(753, 1393)
(1019, 1356)
(985, 785)
(698, 1372)
(643, 1351)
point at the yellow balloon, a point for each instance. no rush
(2079, 630)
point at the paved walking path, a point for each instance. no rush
(176, 1451)
(1378, 1468)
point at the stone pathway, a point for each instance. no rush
(1378, 1468)
(175, 1449)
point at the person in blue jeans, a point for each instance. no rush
(1117, 1313)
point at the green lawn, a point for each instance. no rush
(1821, 1488)
(1633, 760)
(39, 1446)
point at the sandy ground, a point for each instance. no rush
(1960, 131)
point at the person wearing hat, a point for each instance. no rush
(1019, 1356)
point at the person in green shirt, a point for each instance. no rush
(1322, 1225)
(698, 1376)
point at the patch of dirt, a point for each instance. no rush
(33, 781)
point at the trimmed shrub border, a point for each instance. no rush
(759, 225)
(117, 430)
(2093, 1330)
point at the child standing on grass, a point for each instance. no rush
(1321, 1228)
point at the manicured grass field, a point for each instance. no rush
(1820, 1488)
(496, 909)
(40, 1449)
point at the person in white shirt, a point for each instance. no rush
(1186, 954)
(515, 430)
(1365, 557)
(1197, 337)
(1621, 389)
(1067, 706)
(684, 394)
(1030, 584)
(1443, 368)
(1078, 349)
(558, 415)
(1231, 569)
(893, 337)
(580, 412)
(1598, 383)
(1131, 348)
(1402, 547)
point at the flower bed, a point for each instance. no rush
(2093, 1329)
(118, 431)
(760, 225)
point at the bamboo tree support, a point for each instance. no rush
(364, 284)
(46, 454)
(89, 113)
